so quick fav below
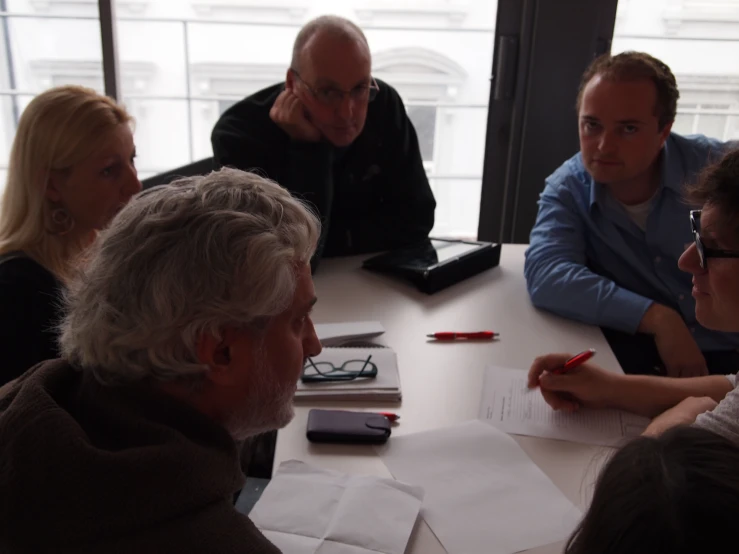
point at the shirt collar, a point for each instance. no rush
(671, 175)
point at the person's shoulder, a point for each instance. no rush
(43, 374)
(387, 92)
(387, 101)
(697, 149)
(253, 109)
(571, 176)
(21, 272)
(260, 101)
(696, 141)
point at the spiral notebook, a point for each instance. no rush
(385, 387)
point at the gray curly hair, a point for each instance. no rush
(181, 260)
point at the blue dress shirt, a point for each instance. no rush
(589, 261)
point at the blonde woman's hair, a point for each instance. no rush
(60, 128)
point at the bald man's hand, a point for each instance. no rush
(289, 113)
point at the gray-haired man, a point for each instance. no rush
(186, 332)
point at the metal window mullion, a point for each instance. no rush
(727, 128)
(188, 92)
(111, 75)
(11, 64)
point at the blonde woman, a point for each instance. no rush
(71, 170)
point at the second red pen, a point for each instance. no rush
(479, 335)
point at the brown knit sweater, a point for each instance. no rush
(86, 468)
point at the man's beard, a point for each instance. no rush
(267, 406)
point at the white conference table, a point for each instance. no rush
(441, 383)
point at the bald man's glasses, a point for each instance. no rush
(332, 97)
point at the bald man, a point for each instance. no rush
(338, 138)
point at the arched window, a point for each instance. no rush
(426, 81)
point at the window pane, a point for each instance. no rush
(456, 177)
(64, 8)
(457, 206)
(8, 107)
(152, 71)
(694, 39)
(42, 45)
(424, 121)
(733, 128)
(212, 53)
(684, 124)
(205, 113)
(161, 134)
(712, 125)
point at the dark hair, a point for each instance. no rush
(718, 185)
(677, 493)
(633, 66)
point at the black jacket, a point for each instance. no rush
(88, 468)
(30, 310)
(372, 196)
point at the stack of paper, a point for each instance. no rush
(338, 334)
(386, 386)
(508, 404)
(305, 510)
(483, 493)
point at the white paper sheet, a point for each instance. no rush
(510, 406)
(336, 334)
(484, 495)
(306, 510)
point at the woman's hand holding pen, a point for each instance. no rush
(585, 385)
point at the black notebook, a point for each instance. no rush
(437, 263)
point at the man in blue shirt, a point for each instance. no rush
(612, 224)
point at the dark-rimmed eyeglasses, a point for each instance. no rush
(332, 96)
(704, 252)
(318, 372)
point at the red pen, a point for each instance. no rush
(575, 361)
(479, 335)
(392, 417)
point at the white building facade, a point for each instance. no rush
(182, 62)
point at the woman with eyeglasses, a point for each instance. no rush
(711, 402)
(674, 489)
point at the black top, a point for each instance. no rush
(371, 196)
(30, 308)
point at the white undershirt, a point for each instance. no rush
(639, 213)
